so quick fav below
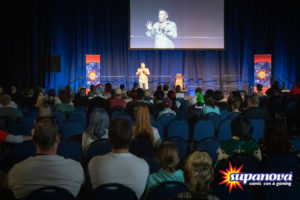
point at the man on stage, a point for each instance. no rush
(143, 74)
(163, 31)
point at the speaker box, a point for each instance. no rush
(50, 63)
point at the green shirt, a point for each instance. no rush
(200, 97)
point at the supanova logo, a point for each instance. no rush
(234, 178)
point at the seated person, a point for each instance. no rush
(119, 166)
(219, 100)
(65, 105)
(210, 106)
(148, 99)
(275, 140)
(116, 100)
(158, 104)
(198, 175)
(143, 125)
(44, 111)
(166, 156)
(46, 168)
(296, 89)
(6, 137)
(97, 129)
(167, 108)
(241, 141)
(253, 111)
(179, 93)
(235, 108)
(136, 102)
(7, 110)
(198, 99)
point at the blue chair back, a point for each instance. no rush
(203, 129)
(167, 190)
(121, 114)
(166, 119)
(281, 164)
(214, 118)
(181, 144)
(178, 128)
(113, 191)
(98, 147)
(71, 128)
(78, 117)
(50, 193)
(154, 167)
(258, 128)
(159, 127)
(225, 130)
(70, 149)
(210, 145)
(223, 114)
(23, 127)
(282, 192)
(295, 143)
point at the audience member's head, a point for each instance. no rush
(276, 137)
(209, 101)
(122, 87)
(118, 93)
(241, 127)
(51, 93)
(148, 93)
(64, 96)
(172, 95)
(199, 90)
(259, 87)
(159, 95)
(120, 134)
(44, 110)
(140, 94)
(108, 88)
(218, 95)
(98, 123)
(45, 135)
(209, 92)
(159, 88)
(177, 89)
(198, 172)
(166, 156)
(235, 104)
(5, 100)
(135, 86)
(143, 125)
(253, 100)
(1, 90)
(13, 89)
(166, 88)
(168, 103)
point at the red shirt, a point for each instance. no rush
(117, 102)
(3, 135)
(295, 91)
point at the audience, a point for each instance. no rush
(166, 156)
(167, 108)
(119, 166)
(148, 99)
(158, 104)
(296, 89)
(97, 128)
(107, 91)
(253, 111)
(65, 105)
(44, 110)
(9, 138)
(275, 140)
(7, 110)
(259, 88)
(116, 100)
(166, 89)
(198, 175)
(210, 106)
(143, 126)
(218, 98)
(46, 168)
(136, 102)
(241, 141)
(179, 93)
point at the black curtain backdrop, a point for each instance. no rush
(73, 28)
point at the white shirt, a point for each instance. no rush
(122, 168)
(156, 136)
(143, 75)
(45, 170)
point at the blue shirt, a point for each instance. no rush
(163, 176)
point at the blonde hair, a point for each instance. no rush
(44, 110)
(143, 126)
(198, 171)
(167, 156)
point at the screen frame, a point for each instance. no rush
(175, 49)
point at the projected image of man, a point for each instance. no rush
(163, 31)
